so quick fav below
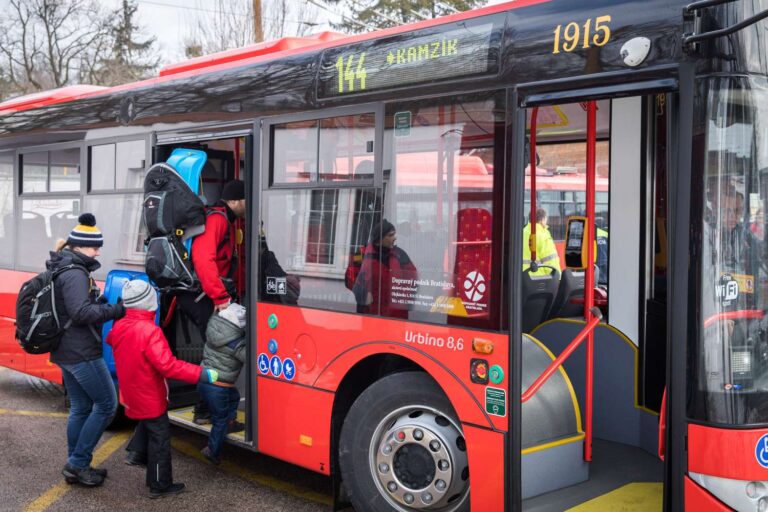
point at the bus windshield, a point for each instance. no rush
(729, 357)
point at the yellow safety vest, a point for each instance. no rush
(546, 252)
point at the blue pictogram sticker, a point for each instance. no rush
(289, 369)
(263, 363)
(275, 366)
(272, 346)
(761, 451)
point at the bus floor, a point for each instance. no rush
(183, 416)
(621, 477)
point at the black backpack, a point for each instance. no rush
(169, 264)
(172, 213)
(38, 327)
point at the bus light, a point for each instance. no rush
(482, 346)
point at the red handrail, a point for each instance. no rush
(554, 365)
(751, 314)
(589, 274)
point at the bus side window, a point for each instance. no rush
(442, 196)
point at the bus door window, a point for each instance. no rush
(313, 238)
(441, 198)
(729, 369)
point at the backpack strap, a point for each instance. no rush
(216, 210)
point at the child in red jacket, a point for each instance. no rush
(143, 362)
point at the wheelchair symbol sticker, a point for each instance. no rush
(263, 363)
(761, 451)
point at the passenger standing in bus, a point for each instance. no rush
(143, 361)
(225, 352)
(89, 385)
(214, 259)
(546, 252)
(385, 264)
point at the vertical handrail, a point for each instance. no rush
(554, 365)
(589, 275)
(532, 163)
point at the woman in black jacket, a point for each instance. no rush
(81, 310)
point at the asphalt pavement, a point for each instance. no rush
(33, 451)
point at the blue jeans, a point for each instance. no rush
(222, 402)
(93, 403)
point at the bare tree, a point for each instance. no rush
(230, 24)
(51, 43)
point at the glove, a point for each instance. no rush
(119, 311)
(101, 299)
(209, 376)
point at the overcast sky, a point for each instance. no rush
(170, 20)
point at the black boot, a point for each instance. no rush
(168, 491)
(87, 477)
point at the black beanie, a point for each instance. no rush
(381, 229)
(233, 191)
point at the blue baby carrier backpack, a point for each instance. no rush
(173, 213)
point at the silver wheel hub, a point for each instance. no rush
(419, 460)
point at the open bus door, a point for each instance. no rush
(616, 392)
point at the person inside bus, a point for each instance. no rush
(385, 268)
(144, 361)
(546, 252)
(214, 259)
(82, 310)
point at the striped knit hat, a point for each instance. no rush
(138, 294)
(85, 234)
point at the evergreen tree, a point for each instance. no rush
(367, 15)
(130, 58)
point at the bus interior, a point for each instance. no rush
(226, 160)
(630, 290)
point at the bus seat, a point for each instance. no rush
(537, 297)
(32, 226)
(571, 287)
(473, 254)
(61, 224)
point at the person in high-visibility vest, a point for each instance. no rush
(601, 254)
(546, 252)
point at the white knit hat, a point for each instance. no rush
(138, 294)
(234, 313)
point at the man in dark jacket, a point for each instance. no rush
(214, 256)
(88, 382)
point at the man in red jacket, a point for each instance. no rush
(143, 361)
(214, 259)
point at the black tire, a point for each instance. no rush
(403, 402)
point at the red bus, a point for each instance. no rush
(418, 393)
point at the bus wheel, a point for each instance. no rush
(401, 448)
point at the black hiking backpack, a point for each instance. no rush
(38, 327)
(172, 213)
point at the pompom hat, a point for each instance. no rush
(86, 234)
(138, 294)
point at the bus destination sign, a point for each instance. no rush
(458, 50)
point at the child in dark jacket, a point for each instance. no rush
(225, 352)
(143, 362)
